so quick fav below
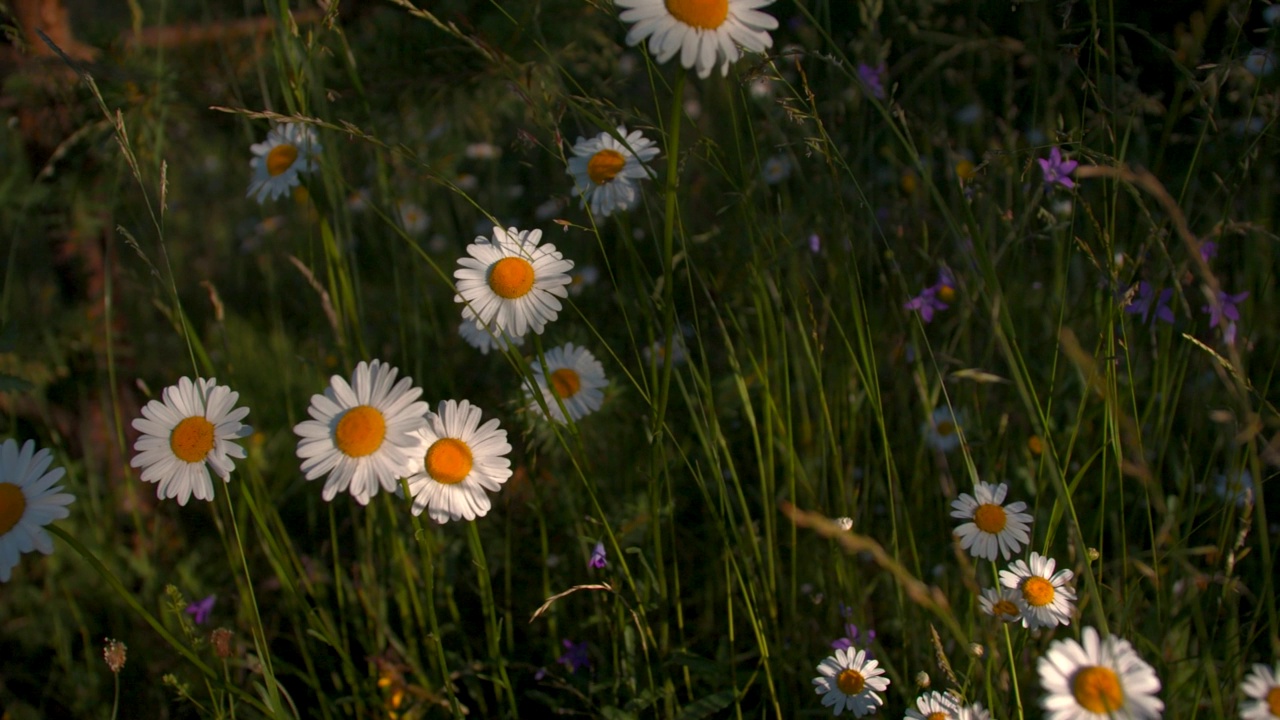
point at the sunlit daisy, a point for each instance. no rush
(1001, 603)
(849, 681)
(482, 339)
(934, 705)
(362, 434)
(513, 280)
(1099, 679)
(188, 433)
(704, 32)
(942, 431)
(992, 528)
(455, 461)
(574, 376)
(290, 148)
(1043, 596)
(1262, 687)
(606, 172)
(29, 500)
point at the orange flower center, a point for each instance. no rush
(851, 682)
(1005, 610)
(1037, 591)
(937, 716)
(280, 159)
(946, 428)
(449, 461)
(990, 518)
(605, 165)
(566, 383)
(13, 504)
(1097, 689)
(946, 293)
(360, 431)
(192, 439)
(511, 277)
(1273, 697)
(701, 14)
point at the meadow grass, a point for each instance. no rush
(832, 312)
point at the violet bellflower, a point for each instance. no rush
(1057, 171)
(926, 303)
(201, 609)
(575, 655)
(1150, 304)
(872, 78)
(1224, 311)
(599, 559)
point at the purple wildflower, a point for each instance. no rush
(1224, 307)
(575, 655)
(598, 557)
(815, 243)
(926, 303)
(201, 609)
(1208, 250)
(850, 637)
(1056, 170)
(1151, 305)
(872, 78)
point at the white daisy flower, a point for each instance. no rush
(413, 218)
(290, 148)
(776, 169)
(934, 705)
(480, 338)
(942, 430)
(512, 280)
(974, 712)
(704, 32)
(1001, 603)
(573, 375)
(362, 434)
(606, 171)
(849, 681)
(187, 433)
(993, 528)
(455, 461)
(29, 500)
(1261, 686)
(1043, 596)
(1097, 680)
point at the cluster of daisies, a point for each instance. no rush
(1094, 678)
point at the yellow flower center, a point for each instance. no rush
(946, 428)
(1037, 591)
(280, 159)
(1273, 697)
(946, 293)
(701, 14)
(937, 716)
(965, 170)
(511, 277)
(192, 439)
(1005, 610)
(449, 461)
(605, 165)
(851, 682)
(1097, 689)
(566, 383)
(990, 518)
(1035, 445)
(360, 431)
(13, 504)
